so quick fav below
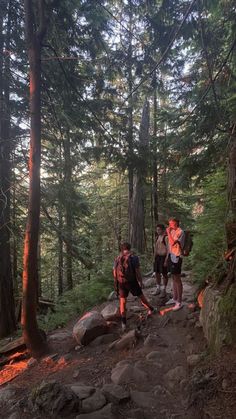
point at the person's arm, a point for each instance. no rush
(171, 240)
(138, 271)
(116, 283)
(139, 276)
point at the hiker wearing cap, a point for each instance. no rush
(160, 260)
(175, 239)
(128, 278)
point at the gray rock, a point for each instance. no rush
(94, 402)
(128, 374)
(88, 327)
(15, 415)
(175, 375)
(153, 356)
(6, 395)
(143, 399)
(225, 384)
(150, 282)
(128, 341)
(152, 341)
(193, 360)
(32, 362)
(104, 413)
(114, 393)
(136, 414)
(53, 399)
(111, 312)
(104, 339)
(61, 335)
(76, 374)
(82, 391)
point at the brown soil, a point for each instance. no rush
(194, 398)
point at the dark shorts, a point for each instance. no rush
(132, 287)
(174, 268)
(159, 267)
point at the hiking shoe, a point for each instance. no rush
(157, 291)
(177, 306)
(170, 301)
(152, 311)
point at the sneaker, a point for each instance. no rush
(170, 301)
(157, 291)
(152, 311)
(177, 306)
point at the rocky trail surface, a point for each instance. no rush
(158, 369)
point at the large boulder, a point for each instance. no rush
(95, 402)
(111, 312)
(89, 327)
(216, 316)
(54, 400)
(114, 393)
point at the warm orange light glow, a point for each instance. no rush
(165, 310)
(9, 372)
(200, 298)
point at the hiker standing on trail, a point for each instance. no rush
(160, 261)
(128, 278)
(176, 240)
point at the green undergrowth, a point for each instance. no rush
(209, 241)
(75, 302)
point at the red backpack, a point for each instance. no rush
(125, 269)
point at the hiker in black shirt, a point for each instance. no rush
(128, 278)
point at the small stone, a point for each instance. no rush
(76, 374)
(225, 384)
(127, 374)
(115, 393)
(143, 399)
(128, 341)
(198, 325)
(94, 402)
(82, 391)
(32, 362)
(175, 375)
(104, 413)
(193, 360)
(153, 356)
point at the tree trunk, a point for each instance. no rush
(68, 215)
(130, 125)
(7, 306)
(60, 252)
(139, 197)
(31, 333)
(154, 165)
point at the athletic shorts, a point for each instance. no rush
(159, 267)
(174, 268)
(132, 287)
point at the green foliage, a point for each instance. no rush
(209, 238)
(75, 302)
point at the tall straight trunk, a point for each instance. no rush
(7, 306)
(130, 124)
(68, 215)
(138, 239)
(154, 164)
(32, 335)
(14, 241)
(60, 251)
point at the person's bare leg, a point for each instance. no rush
(175, 293)
(123, 310)
(179, 288)
(158, 282)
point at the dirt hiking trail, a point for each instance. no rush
(158, 369)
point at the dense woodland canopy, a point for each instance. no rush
(133, 109)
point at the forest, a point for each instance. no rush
(114, 116)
